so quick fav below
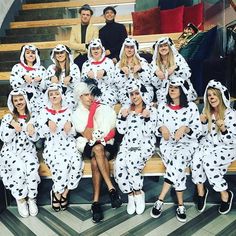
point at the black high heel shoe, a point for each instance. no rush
(64, 202)
(55, 200)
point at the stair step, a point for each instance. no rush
(41, 14)
(41, 30)
(28, 38)
(45, 1)
(13, 55)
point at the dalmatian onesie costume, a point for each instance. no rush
(137, 146)
(18, 160)
(176, 156)
(123, 82)
(68, 90)
(35, 89)
(60, 152)
(217, 149)
(106, 83)
(182, 71)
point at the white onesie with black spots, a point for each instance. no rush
(176, 156)
(183, 71)
(124, 83)
(34, 90)
(106, 83)
(217, 150)
(18, 160)
(137, 147)
(68, 90)
(60, 152)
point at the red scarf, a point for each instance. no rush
(27, 67)
(98, 62)
(174, 107)
(54, 112)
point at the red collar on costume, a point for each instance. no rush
(22, 117)
(27, 67)
(98, 62)
(54, 112)
(174, 107)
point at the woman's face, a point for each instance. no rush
(19, 102)
(164, 49)
(136, 98)
(30, 56)
(213, 99)
(60, 56)
(96, 53)
(86, 99)
(174, 92)
(129, 51)
(55, 97)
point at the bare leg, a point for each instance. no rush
(224, 196)
(180, 195)
(102, 165)
(164, 191)
(96, 178)
(65, 193)
(200, 190)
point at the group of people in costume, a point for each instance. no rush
(73, 112)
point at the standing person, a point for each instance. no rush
(29, 75)
(112, 34)
(101, 69)
(82, 34)
(18, 159)
(92, 118)
(217, 148)
(131, 69)
(180, 127)
(60, 153)
(65, 72)
(137, 124)
(167, 63)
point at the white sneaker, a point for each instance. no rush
(33, 208)
(22, 208)
(140, 202)
(131, 205)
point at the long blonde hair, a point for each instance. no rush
(124, 60)
(170, 60)
(208, 109)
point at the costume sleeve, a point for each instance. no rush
(35, 136)
(156, 82)
(144, 74)
(160, 118)
(149, 124)
(42, 124)
(229, 136)
(121, 123)
(182, 69)
(75, 76)
(16, 78)
(7, 132)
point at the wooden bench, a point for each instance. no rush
(75, 4)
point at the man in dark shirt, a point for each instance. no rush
(112, 34)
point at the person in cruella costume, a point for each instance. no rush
(18, 160)
(131, 69)
(30, 75)
(101, 69)
(60, 152)
(179, 125)
(217, 149)
(64, 72)
(137, 123)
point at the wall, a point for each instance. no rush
(4, 7)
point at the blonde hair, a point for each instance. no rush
(208, 110)
(170, 60)
(124, 60)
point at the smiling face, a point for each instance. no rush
(136, 98)
(214, 98)
(96, 53)
(174, 93)
(55, 97)
(60, 56)
(164, 49)
(109, 15)
(19, 103)
(129, 51)
(30, 56)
